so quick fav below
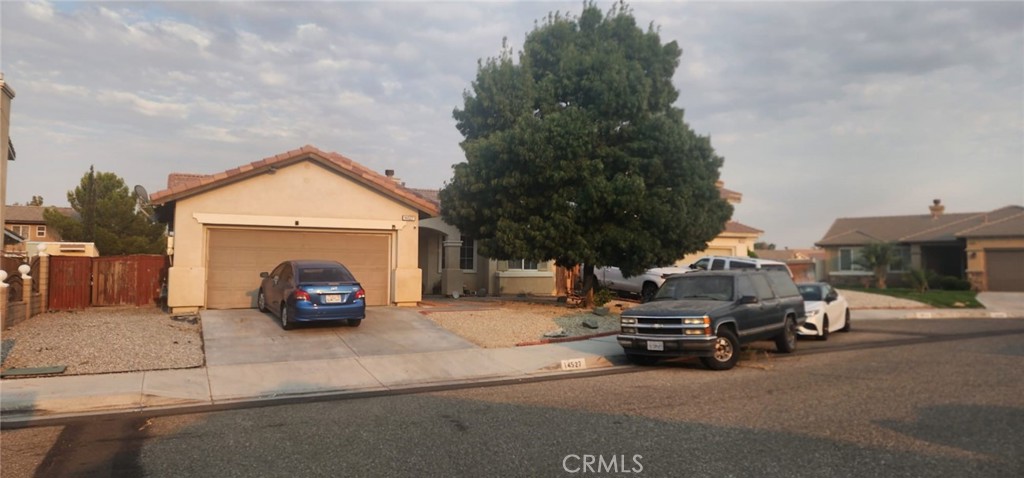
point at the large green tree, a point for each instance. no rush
(108, 216)
(576, 153)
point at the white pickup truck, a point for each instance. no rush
(644, 285)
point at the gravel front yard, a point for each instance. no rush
(104, 340)
(498, 324)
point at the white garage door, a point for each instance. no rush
(1005, 269)
(237, 256)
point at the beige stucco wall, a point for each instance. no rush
(976, 249)
(5, 135)
(304, 193)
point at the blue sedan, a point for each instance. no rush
(312, 291)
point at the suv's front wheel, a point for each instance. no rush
(727, 351)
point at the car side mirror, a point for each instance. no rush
(748, 299)
(831, 297)
(264, 275)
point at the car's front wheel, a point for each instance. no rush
(286, 322)
(846, 325)
(785, 342)
(824, 328)
(261, 301)
(727, 351)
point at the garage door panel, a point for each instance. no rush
(1005, 270)
(237, 256)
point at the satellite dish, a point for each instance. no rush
(141, 195)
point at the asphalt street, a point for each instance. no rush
(892, 398)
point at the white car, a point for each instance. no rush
(827, 311)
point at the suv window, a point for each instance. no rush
(718, 265)
(744, 287)
(704, 287)
(764, 291)
(742, 265)
(782, 283)
(701, 264)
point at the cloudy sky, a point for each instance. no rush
(821, 110)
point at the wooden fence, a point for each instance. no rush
(81, 282)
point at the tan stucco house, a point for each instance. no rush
(451, 264)
(986, 248)
(28, 224)
(226, 228)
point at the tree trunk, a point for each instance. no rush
(589, 281)
(880, 273)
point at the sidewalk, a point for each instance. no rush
(25, 400)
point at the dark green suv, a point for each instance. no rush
(711, 314)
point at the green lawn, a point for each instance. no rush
(945, 299)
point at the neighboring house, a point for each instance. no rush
(6, 146)
(470, 273)
(985, 247)
(226, 228)
(803, 263)
(28, 224)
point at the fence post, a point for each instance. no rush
(26, 289)
(3, 298)
(44, 279)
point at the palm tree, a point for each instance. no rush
(878, 256)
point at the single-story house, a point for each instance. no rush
(226, 228)
(986, 248)
(468, 272)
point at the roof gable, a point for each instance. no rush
(33, 214)
(910, 229)
(180, 186)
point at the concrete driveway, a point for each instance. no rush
(245, 336)
(1002, 301)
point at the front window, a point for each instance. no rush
(848, 257)
(810, 292)
(467, 254)
(40, 231)
(522, 265)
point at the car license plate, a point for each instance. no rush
(655, 345)
(332, 298)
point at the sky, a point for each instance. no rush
(820, 110)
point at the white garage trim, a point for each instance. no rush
(297, 221)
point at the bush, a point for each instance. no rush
(949, 283)
(918, 280)
(602, 297)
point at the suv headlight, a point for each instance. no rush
(627, 320)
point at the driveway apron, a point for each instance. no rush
(248, 336)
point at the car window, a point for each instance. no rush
(286, 273)
(745, 288)
(810, 292)
(742, 265)
(775, 267)
(764, 291)
(277, 270)
(705, 287)
(701, 264)
(324, 274)
(783, 284)
(718, 264)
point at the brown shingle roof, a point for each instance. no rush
(181, 185)
(1012, 226)
(33, 214)
(911, 229)
(739, 228)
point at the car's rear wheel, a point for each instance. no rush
(354, 322)
(824, 328)
(642, 359)
(286, 322)
(846, 325)
(727, 348)
(261, 302)
(648, 291)
(785, 342)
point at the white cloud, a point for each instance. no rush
(145, 106)
(42, 11)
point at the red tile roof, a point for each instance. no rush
(181, 185)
